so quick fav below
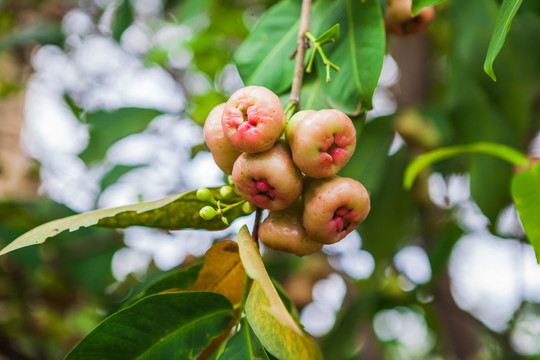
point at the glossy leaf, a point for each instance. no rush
(106, 128)
(179, 211)
(498, 150)
(526, 194)
(176, 280)
(507, 12)
(266, 313)
(418, 5)
(359, 52)
(313, 96)
(162, 326)
(222, 272)
(264, 57)
(244, 345)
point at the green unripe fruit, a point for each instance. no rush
(204, 195)
(248, 207)
(226, 191)
(208, 213)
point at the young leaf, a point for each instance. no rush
(502, 26)
(162, 326)
(179, 211)
(526, 194)
(359, 51)
(498, 150)
(418, 5)
(222, 272)
(263, 59)
(329, 35)
(266, 313)
(244, 345)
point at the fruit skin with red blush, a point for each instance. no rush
(333, 207)
(269, 179)
(321, 142)
(253, 119)
(222, 151)
(283, 230)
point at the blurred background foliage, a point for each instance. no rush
(442, 271)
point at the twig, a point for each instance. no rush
(294, 98)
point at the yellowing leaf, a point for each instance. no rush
(266, 313)
(222, 272)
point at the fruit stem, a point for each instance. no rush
(255, 235)
(294, 98)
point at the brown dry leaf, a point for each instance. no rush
(222, 272)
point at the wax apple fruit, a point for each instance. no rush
(321, 141)
(222, 151)
(283, 230)
(253, 119)
(268, 179)
(333, 207)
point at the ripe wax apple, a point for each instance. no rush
(399, 21)
(253, 119)
(333, 207)
(283, 230)
(223, 153)
(268, 179)
(321, 142)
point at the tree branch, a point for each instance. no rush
(294, 98)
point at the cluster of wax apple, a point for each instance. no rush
(244, 136)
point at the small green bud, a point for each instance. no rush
(248, 207)
(229, 178)
(226, 191)
(225, 221)
(208, 213)
(203, 194)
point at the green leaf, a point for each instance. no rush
(162, 326)
(33, 34)
(179, 211)
(123, 18)
(329, 35)
(526, 194)
(263, 58)
(176, 280)
(116, 173)
(369, 160)
(106, 128)
(507, 12)
(497, 150)
(418, 5)
(266, 313)
(359, 51)
(244, 345)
